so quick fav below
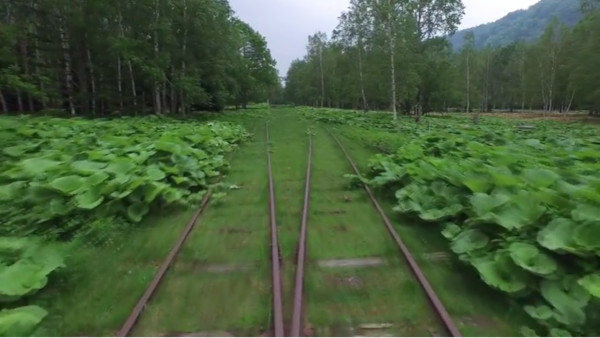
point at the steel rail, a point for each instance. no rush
(414, 266)
(299, 282)
(158, 277)
(275, 264)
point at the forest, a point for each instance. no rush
(99, 57)
(394, 55)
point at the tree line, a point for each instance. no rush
(97, 57)
(393, 54)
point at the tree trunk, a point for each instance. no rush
(20, 102)
(468, 108)
(133, 90)
(3, 102)
(130, 68)
(361, 79)
(183, 65)
(173, 94)
(570, 103)
(68, 75)
(25, 62)
(120, 83)
(392, 60)
(92, 79)
(322, 73)
(157, 102)
(163, 87)
(38, 59)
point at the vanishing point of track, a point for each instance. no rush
(298, 297)
(296, 327)
(150, 291)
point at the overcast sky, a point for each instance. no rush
(287, 23)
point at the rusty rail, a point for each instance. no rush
(414, 266)
(275, 264)
(158, 277)
(141, 304)
(299, 282)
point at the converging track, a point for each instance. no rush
(151, 290)
(297, 323)
(358, 236)
(414, 266)
(158, 278)
(275, 263)
(297, 310)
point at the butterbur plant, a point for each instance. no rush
(25, 266)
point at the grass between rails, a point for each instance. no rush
(343, 225)
(477, 310)
(232, 235)
(221, 279)
(289, 147)
(101, 284)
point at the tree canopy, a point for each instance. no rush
(132, 56)
(413, 67)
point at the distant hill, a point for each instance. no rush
(522, 25)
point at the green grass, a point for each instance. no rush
(344, 298)
(233, 232)
(476, 309)
(100, 286)
(342, 225)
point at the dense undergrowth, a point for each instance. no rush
(65, 179)
(519, 205)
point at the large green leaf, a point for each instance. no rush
(22, 321)
(38, 166)
(89, 199)
(477, 184)
(154, 173)
(540, 178)
(152, 190)
(87, 167)
(588, 236)
(484, 203)
(542, 312)
(591, 283)
(121, 166)
(500, 272)
(20, 279)
(568, 301)
(558, 235)
(586, 213)
(451, 230)
(530, 258)
(469, 240)
(11, 191)
(68, 185)
(137, 211)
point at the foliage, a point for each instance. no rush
(62, 178)
(98, 57)
(24, 268)
(520, 207)
(529, 60)
(522, 25)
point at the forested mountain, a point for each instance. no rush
(391, 56)
(523, 25)
(93, 57)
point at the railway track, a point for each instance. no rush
(275, 262)
(297, 323)
(296, 328)
(151, 290)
